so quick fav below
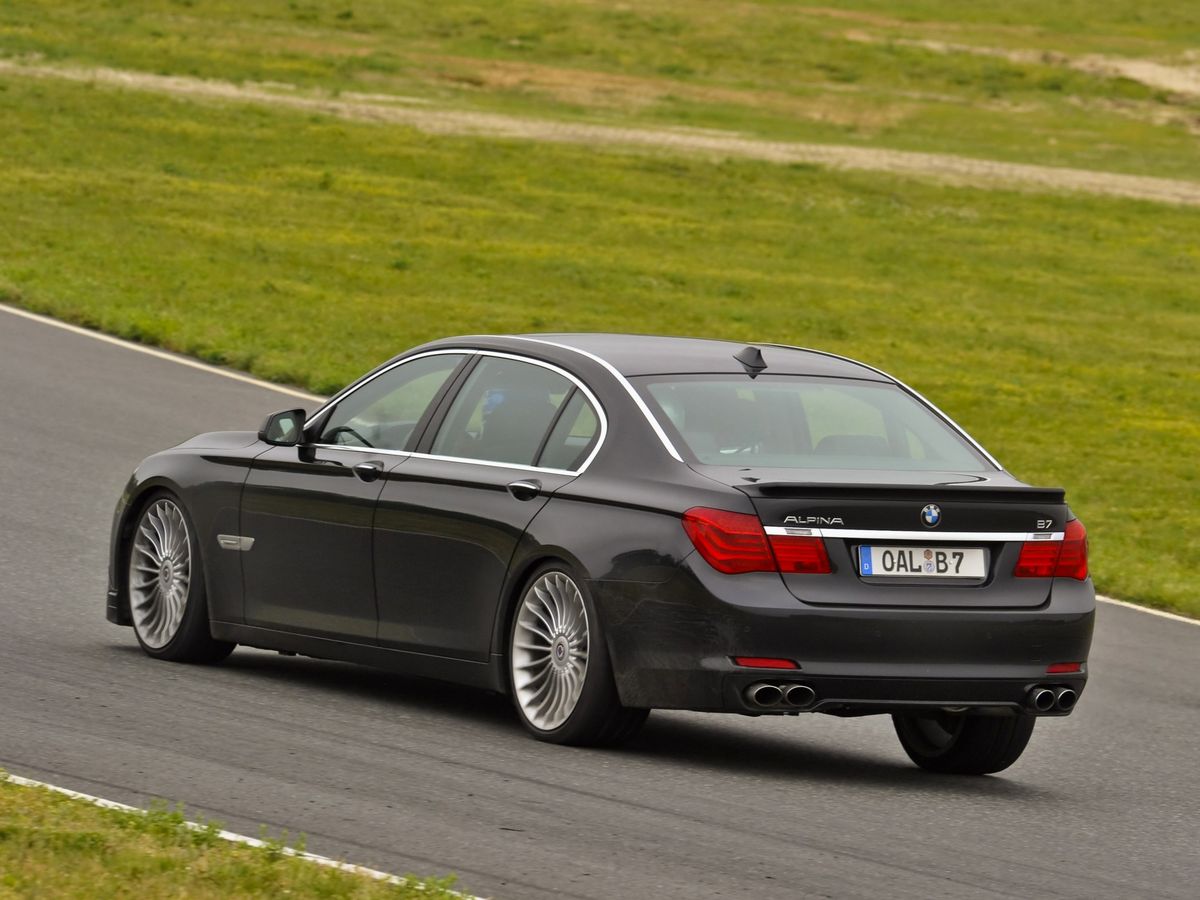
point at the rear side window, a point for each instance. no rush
(803, 422)
(503, 412)
(573, 436)
(383, 412)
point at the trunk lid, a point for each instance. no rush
(885, 511)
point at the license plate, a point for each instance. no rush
(921, 562)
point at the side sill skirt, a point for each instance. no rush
(483, 674)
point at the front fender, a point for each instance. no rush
(208, 481)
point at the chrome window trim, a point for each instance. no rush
(924, 536)
(372, 451)
(949, 421)
(662, 435)
(601, 415)
(503, 465)
(351, 388)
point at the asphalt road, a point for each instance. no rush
(408, 775)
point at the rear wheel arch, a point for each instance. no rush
(518, 579)
(595, 715)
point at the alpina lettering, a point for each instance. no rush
(813, 520)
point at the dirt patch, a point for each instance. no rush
(1183, 80)
(602, 90)
(939, 167)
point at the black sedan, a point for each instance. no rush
(599, 525)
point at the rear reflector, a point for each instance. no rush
(1063, 668)
(734, 543)
(1059, 559)
(764, 662)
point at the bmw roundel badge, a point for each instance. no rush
(931, 515)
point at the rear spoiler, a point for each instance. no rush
(984, 493)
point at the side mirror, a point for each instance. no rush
(284, 429)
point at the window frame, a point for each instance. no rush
(315, 424)
(435, 415)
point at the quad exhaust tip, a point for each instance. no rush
(1066, 699)
(1047, 699)
(799, 695)
(790, 696)
(764, 694)
(1042, 699)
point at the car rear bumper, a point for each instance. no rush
(672, 647)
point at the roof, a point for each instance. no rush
(644, 354)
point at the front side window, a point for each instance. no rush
(502, 412)
(792, 421)
(383, 413)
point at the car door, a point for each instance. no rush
(308, 511)
(450, 518)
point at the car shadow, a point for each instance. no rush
(698, 742)
(714, 746)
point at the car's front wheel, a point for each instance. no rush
(167, 601)
(561, 676)
(959, 744)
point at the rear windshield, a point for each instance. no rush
(801, 422)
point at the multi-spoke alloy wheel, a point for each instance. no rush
(160, 573)
(550, 651)
(562, 676)
(167, 600)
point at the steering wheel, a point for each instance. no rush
(333, 433)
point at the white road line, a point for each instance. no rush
(292, 392)
(161, 354)
(224, 835)
(1146, 609)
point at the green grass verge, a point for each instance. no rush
(1062, 331)
(55, 846)
(846, 73)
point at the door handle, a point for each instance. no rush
(368, 471)
(525, 489)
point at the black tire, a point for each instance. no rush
(192, 641)
(962, 744)
(598, 718)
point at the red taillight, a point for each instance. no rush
(1073, 561)
(1038, 559)
(734, 543)
(1063, 668)
(1060, 559)
(731, 542)
(805, 555)
(764, 662)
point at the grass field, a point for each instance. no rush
(1061, 330)
(54, 846)
(994, 80)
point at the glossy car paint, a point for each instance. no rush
(419, 569)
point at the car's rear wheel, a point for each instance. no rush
(960, 744)
(167, 600)
(561, 676)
